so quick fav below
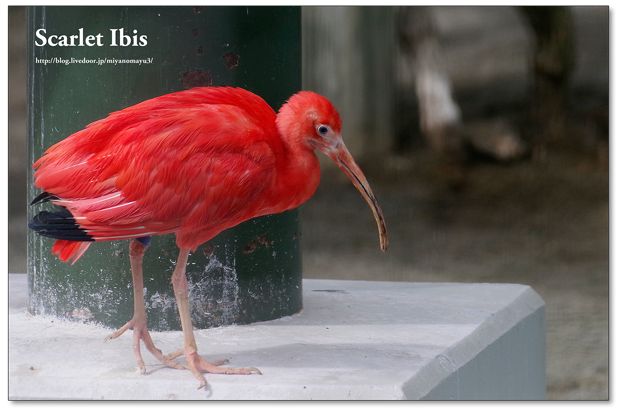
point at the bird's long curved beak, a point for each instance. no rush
(341, 156)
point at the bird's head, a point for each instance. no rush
(314, 121)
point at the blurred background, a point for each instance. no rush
(484, 133)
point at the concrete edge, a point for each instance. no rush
(455, 357)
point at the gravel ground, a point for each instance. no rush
(543, 222)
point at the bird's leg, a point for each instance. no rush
(196, 363)
(138, 321)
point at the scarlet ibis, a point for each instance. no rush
(192, 163)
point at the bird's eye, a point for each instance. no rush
(322, 130)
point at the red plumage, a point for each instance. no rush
(194, 163)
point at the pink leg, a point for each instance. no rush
(138, 322)
(196, 363)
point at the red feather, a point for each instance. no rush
(194, 162)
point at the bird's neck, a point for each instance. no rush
(298, 175)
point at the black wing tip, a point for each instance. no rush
(59, 224)
(43, 197)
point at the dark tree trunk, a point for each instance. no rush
(553, 62)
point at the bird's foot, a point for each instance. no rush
(141, 333)
(197, 365)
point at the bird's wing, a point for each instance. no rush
(189, 168)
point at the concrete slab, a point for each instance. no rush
(353, 340)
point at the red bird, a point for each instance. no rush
(192, 163)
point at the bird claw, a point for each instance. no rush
(220, 362)
(203, 382)
(141, 333)
(142, 369)
(175, 354)
(198, 365)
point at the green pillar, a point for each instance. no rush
(246, 274)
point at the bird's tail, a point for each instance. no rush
(71, 241)
(67, 249)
